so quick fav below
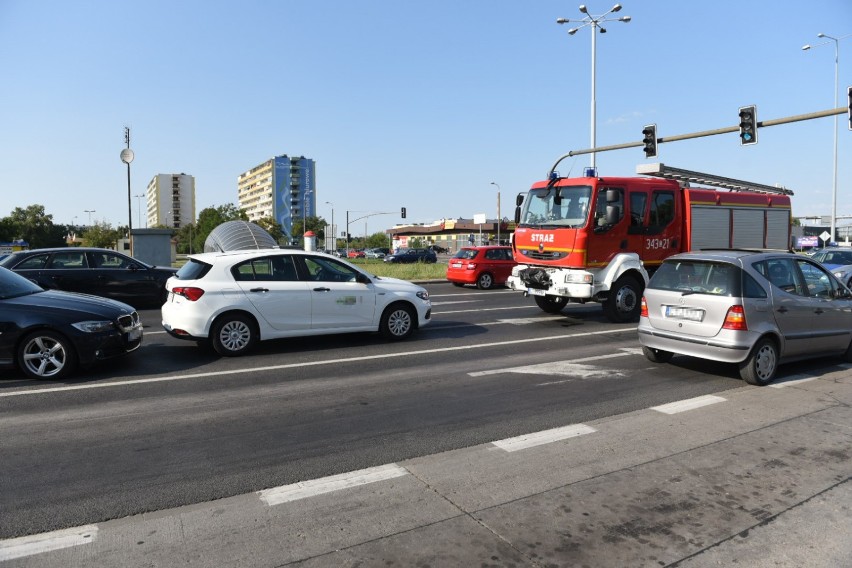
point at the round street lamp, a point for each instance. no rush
(593, 22)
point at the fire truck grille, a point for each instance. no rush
(546, 255)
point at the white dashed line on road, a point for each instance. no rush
(688, 404)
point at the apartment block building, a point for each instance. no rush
(170, 200)
(283, 188)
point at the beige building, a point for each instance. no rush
(170, 201)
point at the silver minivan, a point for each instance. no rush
(753, 308)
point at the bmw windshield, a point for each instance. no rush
(566, 206)
(13, 285)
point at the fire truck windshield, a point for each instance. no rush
(566, 206)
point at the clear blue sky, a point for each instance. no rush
(402, 103)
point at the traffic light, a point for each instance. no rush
(649, 140)
(748, 125)
(849, 107)
(402, 212)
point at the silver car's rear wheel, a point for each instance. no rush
(760, 367)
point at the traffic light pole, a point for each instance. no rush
(761, 124)
(358, 219)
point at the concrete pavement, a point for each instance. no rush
(754, 477)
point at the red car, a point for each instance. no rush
(486, 266)
(357, 254)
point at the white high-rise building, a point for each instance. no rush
(170, 200)
(283, 188)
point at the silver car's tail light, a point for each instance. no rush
(735, 319)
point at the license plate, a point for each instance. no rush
(536, 292)
(456, 265)
(134, 334)
(691, 314)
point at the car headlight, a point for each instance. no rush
(94, 326)
(423, 295)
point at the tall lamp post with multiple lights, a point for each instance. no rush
(127, 157)
(836, 65)
(593, 22)
(498, 210)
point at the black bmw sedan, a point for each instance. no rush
(97, 271)
(47, 334)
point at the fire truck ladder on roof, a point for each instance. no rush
(685, 177)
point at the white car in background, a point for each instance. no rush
(235, 299)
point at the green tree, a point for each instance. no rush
(315, 224)
(271, 226)
(34, 226)
(212, 217)
(187, 240)
(102, 235)
(378, 240)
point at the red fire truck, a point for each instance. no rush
(596, 239)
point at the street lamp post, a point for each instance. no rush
(127, 157)
(305, 212)
(89, 211)
(333, 235)
(834, 183)
(595, 23)
(139, 210)
(498, 211)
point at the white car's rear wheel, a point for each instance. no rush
(233, 335)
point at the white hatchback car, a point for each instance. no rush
(235, 299)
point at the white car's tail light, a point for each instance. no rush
(190, 293)
(643, 313)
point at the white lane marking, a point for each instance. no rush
(36, 544)
(688, 404)
(574, 367)
(516, 321)
(792, 381)
(305, 489)
(479, 293)
(527, 321)
(544, 437)
(487, 310)
(307, 364)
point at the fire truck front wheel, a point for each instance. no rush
(623, 304)
(551, 304)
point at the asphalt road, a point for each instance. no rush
(175, 425)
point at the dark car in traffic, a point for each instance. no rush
(410, 255)
(47, 334)
(97, 271)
